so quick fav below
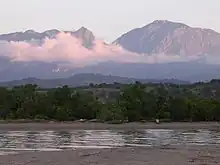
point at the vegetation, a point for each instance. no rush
(113, 102)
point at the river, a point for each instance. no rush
(18, 141)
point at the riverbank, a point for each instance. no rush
(182, 155)
(17, 126)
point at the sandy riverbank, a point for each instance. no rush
(195, 155)
(100, 126)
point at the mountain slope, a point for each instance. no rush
(168, 37)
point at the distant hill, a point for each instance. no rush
(188, 71)
(162, 36)
(84, 79)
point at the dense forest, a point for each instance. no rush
(113, 102)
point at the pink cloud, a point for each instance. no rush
(66, 47)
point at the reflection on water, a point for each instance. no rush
(57, 141)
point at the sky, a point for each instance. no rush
(107, 19)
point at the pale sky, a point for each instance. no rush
(108, 19)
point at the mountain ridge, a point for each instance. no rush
(157, 37)
(82, 33)
(84, 79)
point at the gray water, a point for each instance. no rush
(16, 141)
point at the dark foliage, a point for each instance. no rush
(116, 102)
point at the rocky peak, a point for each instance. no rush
(86, 36)
(83, 29)
(84, 33)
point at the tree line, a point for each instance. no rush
(134, 102)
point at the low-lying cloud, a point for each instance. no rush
(66, 47)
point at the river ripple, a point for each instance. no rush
(15, 141)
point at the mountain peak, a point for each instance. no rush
(86, 35)
(30, 31)
(160, 21)
(167, 22)
(84, 32)
(84, 29)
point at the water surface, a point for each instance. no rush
(15, 141)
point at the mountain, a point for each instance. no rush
(30, 35)
(84, 79)
(162, 36)
(188, 71)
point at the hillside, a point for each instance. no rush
(162, 36)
